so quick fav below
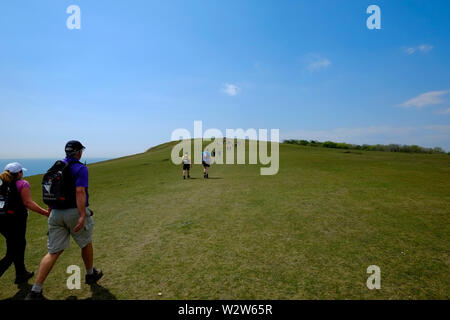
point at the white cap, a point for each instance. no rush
(14, 167)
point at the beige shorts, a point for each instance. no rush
(60, 227)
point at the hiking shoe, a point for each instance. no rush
(184, 177)
(33, 295)
(23, 278)
(189, 177)
(94, 277)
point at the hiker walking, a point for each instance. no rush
(206, 162)
(65, 189)
(186, 165)
(15, 199)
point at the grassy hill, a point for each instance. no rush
(309, 232)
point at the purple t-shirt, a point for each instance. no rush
(80, 175)
(21, 184)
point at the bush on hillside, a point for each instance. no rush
(366, 147)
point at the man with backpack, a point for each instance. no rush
(206, 162)
(65, 190)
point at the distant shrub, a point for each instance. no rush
(393, 148)
(303, 142)
(314, 143)
(342, 145)
(367, 147)
(330, 144)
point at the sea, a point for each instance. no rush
(40, 166)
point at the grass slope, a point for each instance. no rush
(309, 232)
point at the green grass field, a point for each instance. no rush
(309, 232)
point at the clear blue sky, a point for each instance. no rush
(137, 70)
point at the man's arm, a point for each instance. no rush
(81, 205)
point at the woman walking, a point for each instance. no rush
(15, 200)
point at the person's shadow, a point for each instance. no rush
(24, 288)
(101, 293)
(98, 293)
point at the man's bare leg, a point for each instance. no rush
(92, 274)
(46, 265)
(87, 253)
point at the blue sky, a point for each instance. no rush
(137, 70)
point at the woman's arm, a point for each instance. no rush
(30, 204)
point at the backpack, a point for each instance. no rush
(58, 186)
(5, 191)
(9, 198)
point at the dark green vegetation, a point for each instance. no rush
(309, 232)
(366, 147)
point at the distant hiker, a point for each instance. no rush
(65, 189)
(206, 162)
(186, 165)
(15, 199)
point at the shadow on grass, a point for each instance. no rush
(24, 288)
(101, 293)
(193, 178)
(98, 293)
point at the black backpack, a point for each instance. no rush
(5, 191)
(58, 186)
(10, 201)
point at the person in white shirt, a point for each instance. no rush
(186, 165)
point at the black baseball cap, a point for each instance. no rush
(74, 146)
